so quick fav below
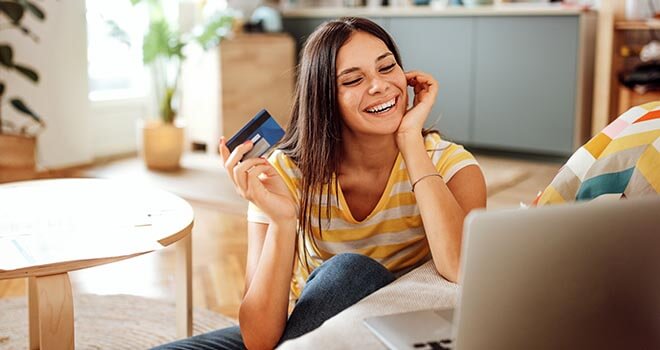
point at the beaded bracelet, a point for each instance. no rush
(422, 178)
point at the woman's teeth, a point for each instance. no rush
(382, 107)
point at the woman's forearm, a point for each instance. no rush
(442, 216)
(263, 311)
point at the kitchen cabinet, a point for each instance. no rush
(525, 86)
(449, 60)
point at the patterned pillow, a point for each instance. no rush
(623, 160)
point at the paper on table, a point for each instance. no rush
(47, 222)
(20, 250)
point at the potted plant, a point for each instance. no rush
(163, 51)
(17, 140)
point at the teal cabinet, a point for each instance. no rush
(525, 83)
(441, 47)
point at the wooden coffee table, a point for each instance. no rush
(51, 227)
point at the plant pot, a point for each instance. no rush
(17, 157)
(162, 145)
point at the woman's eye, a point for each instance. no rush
(388, 68)
(352, 82)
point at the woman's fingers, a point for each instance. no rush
(416, 78)
(254, 186)
(223, 150)
(242, 170)
(423, 85)
(235, 157)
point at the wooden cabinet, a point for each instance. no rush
(611, 97)
(513, 82)
(257, 71)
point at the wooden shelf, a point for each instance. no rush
(629, 98)
(637, 25)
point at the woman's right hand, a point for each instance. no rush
(257, 181)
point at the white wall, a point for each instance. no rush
(201, 98)
(60, 97)
(113, 125)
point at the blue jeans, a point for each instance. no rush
(332, 287)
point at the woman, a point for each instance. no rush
(355, 194)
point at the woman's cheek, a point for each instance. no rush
(349, 101)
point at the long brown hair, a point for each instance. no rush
(313, 138)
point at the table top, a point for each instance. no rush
(58, 225)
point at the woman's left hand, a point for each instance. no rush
(426, 90)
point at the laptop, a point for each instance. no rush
(572, 276)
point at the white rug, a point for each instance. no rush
(201, 180)
(109, 322)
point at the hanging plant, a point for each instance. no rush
(12, 14)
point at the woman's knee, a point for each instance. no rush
(352, 266)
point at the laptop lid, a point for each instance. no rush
(576, 276)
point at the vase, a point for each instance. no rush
(17, 157)
(161, 144)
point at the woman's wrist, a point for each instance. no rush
(287, 224)
(409, 143)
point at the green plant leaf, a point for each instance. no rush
(35, 10)
(21, 107)
(214, 30)
(176, 47)
(118, 32)
(27, 72)
(12, 10)
(6, 56)
(160, 40)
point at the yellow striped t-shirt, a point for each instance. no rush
(392, 234)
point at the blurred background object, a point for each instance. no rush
(642, 9)
(269, 17)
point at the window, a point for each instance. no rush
(115, 67)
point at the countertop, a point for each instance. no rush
(430, 11)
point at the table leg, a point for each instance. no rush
(184, 287)
(54, 314)
(33, 313)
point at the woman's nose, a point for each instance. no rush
(377, 85)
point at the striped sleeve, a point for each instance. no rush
(448, 157)
(291, 177)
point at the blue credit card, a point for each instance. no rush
(262, 130)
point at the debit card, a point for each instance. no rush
(262, 130)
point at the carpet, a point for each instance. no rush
(502, 174)
(109, 322)
(202, 180)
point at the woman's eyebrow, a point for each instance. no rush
(383, 56)
(353, 69)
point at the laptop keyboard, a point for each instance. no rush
(444, 344)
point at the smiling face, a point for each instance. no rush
(371, 86)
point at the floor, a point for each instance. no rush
(219, 240)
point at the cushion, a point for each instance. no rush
(623, 160)
(422, 288)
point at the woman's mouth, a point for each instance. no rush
(383, 107)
